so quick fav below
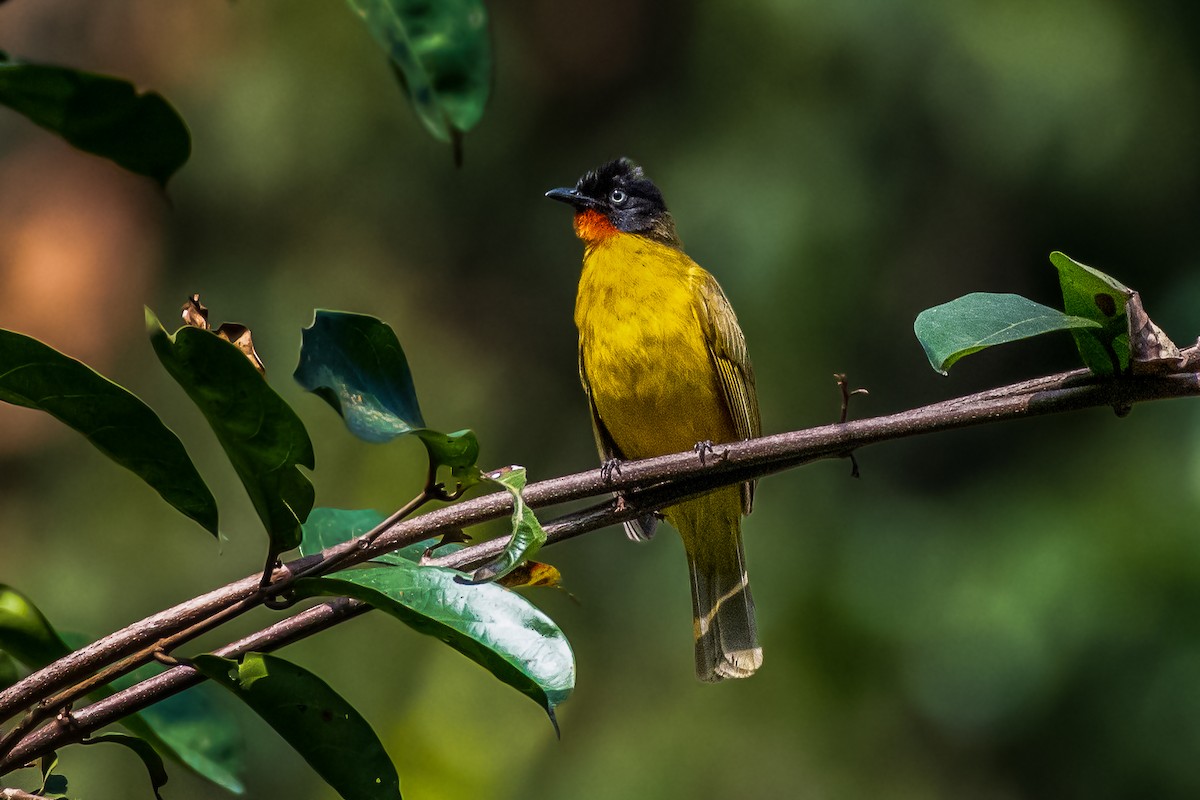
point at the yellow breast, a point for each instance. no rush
(643, 350)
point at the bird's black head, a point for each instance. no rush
(624, 197)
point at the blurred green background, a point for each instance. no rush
(1008, 612)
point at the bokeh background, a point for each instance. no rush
(1007, 612)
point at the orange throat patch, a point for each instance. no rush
(592, 226)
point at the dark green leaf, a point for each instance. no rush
(100, 115)
(186, 726)
(494, 627)
(311, 717)
(527, 534)
(355, 363)
(326, 527)
(441, 52)
(151, 760)
(1091, 294)
(261, 434)
(976, 321)
(120, 425)
(192, 728)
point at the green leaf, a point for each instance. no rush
(442, 53)
(311, 717)
(494, 627)
(527, 534)
(120, 425)
(1091, 294)
(192, 728)
(261, 434)
(152, 761)
(326, 527)
(356, 364)
(186, 726)
(979, 320)
(100, 115)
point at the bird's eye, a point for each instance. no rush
(617, 196)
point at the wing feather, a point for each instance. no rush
(727, 347)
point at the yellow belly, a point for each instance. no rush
(643, 350)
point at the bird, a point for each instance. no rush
(664, 366)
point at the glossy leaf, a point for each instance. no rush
(150, 759)
(1091, 294)
(116, 422)
(527, 534)
(494, 627)
(441, 52)
(262, 436)
(322, 727)
(99, 114)
(979, 320)
(356, 364)
(185, 726)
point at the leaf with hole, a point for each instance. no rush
(316, 721)
(980, 320)
(494, 627)
(262, 436)
(116, 422)
(1089, 293)
(99, 114)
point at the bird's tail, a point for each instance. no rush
(722, 607)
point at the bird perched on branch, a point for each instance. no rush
(665, 368)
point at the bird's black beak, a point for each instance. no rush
(572, 197)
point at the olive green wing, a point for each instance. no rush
(642, 528)
(727, 347)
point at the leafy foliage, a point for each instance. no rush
(322, 727)
(355, 363)
(979, 320)
(99, 114)
(1096, 314)
(1101, 298)
(442, 54)
(262, 436)
(121, 426)
(186, 726)
(494, 627)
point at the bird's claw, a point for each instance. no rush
(612, 465)
(703, 449)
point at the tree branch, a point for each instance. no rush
(646, 485)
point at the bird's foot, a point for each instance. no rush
(608, 468)
(703, 449)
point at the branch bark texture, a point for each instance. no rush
(645, 486)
